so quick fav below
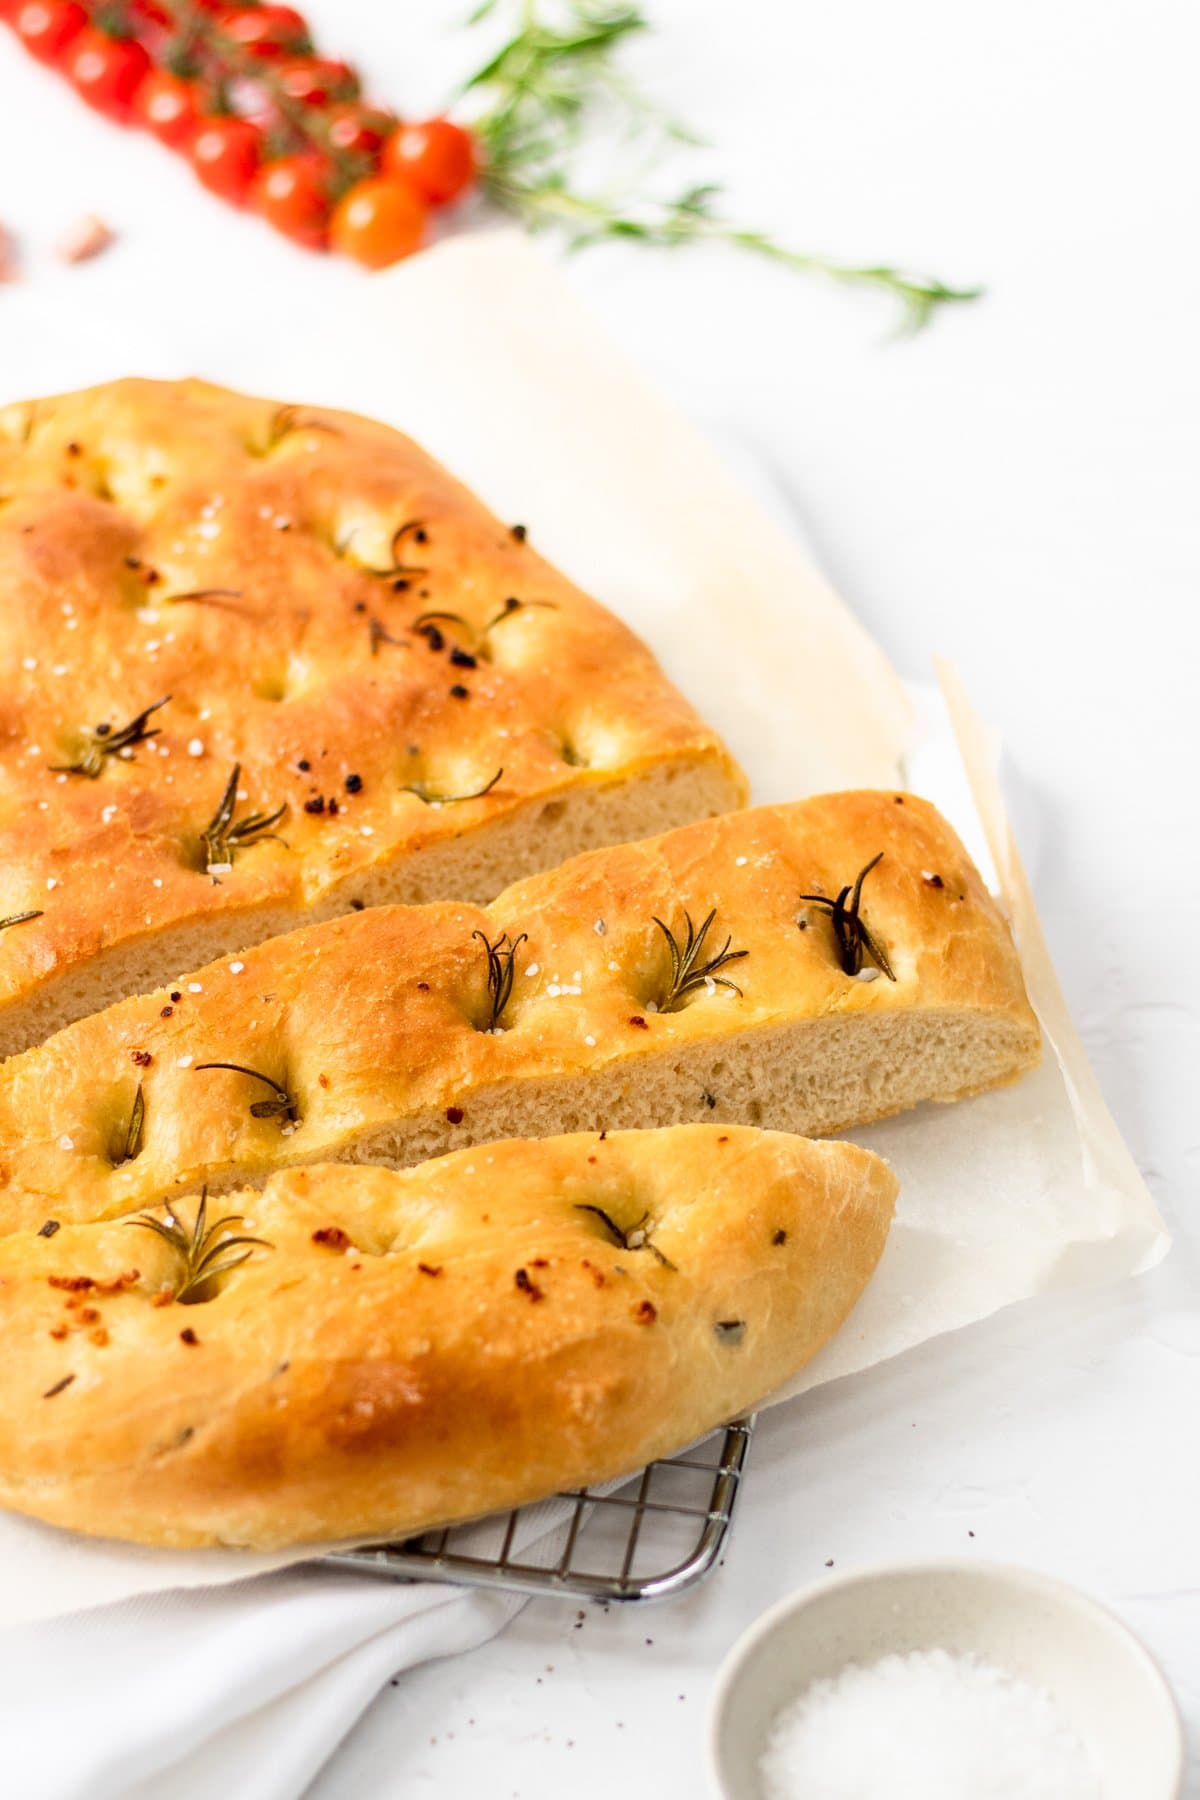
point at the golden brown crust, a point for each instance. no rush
(428, 1345)
(296, 659)
(376, 1026)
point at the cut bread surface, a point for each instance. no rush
(378, 1038)
(403, 1349)
(196, 582)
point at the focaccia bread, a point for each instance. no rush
(395, 1034)
(411, 1348)
(416, 705)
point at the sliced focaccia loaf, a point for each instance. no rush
(845, 961)
(263, 664)
(402, 1349)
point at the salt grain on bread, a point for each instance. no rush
(283, 574)
(376, 1038)
(417, 1347)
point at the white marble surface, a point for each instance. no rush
(1016, 490)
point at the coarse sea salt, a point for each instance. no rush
(928, 1725)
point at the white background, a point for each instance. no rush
(1017, 490)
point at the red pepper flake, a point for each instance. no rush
(332, 1236)
(539, 1262)
(49, 1228)
(74, 449)
(430, 1268)
(99, 1336)
(604, 1134)
(780, 1237)
(176, 996)
(354, 784)
(423, 987)
(454, 1114)
(637, 1019)
(188, 1336)
(58, 1387)
(462, 659)
(597, 1274)
(163, 1297)
(142, 1058)
(723, 1139)
(459, 692)
(334, 808)
(88, 1315)
(932, 880)
(71, 1284)
(645, 1312)
(168, 1012)
(520, 532)
(315, 805)
(526, 1286)
(593, 1159)
(119, 1282)
(304, 765)
(58, 1331)
(899, 799)
(323, 1081)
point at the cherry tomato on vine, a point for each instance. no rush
(268, 30)
(48, 27)
(168, 106)
(106, 71)
(357, 130)
(316, 80)
(378, 221)
(292, 193)
(437, 157)
(225, 153)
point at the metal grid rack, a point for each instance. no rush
(646, 1539)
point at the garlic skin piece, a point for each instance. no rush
(87, 237)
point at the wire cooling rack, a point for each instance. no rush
(649, 1538)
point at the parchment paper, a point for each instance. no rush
(479, 350)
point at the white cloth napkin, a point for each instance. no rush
(242, 1690)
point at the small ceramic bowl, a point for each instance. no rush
(1105, 1684)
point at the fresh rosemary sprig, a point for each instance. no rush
(690, 969)
(850, 928)
(129, 1143)
(555, 88)
(222, 837)
(636, 1238)
(21, 918)
(279, 1105)
(500, 973)
(104, 740)
(432, 799)
(202, 1250)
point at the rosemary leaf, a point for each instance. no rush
(202, 1251)
(691, 970)
(853, 939)
(555, 89)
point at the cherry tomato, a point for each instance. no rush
(378, 221)
(316, 80)
(106, 71)
(438, 158)
(168, 106)
(47, 27)
(292, 194)
(357, 130)
(269, 30)
(225, 154)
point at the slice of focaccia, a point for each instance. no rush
(264, 664)
(804, 967)
(402, 1349)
